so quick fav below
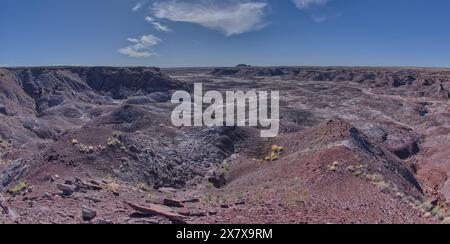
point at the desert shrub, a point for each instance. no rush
(383, 185)
(277, 149)
(21, 186)
(426, 207)
(351, 168)
(4, 144)
(142, 187)
(376, 178)
(113, 187)
(275, 153)
(226, 166)
(334, 166)
(114, 143)
(87, 149)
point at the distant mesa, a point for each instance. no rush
(243, 66)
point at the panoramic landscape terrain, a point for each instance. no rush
(97, 145)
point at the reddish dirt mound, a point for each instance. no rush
(327, 174)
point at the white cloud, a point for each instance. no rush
(138, 6)
(303, 4)
(232, 17)
(157, 25)
(141, 47)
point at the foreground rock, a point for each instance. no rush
(153, 209)
(66, 189)
(88, 214)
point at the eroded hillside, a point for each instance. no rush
(97, 145)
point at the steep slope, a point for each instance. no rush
(37, 104)
(108, 121)
(331, 173)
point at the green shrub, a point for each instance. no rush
(114, 143)
(21, 186)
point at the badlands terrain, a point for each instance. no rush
(96, 145)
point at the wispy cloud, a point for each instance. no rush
(138, 6)
(304, 4)
(141, 47)
(232, 17)
(317, 9)
(157, 25)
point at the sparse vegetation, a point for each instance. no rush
(383, 185)
(375, 178)
(429, 210)
(277, 149)
(83, 148)
(379, 181)
(18, 188)
(438, 213)
(114, 142)
(334, 166)
(226, 166)
(275, 153)
(114, 187)
(86, 149)
(357, 170)
(4, 144)
(142, 187)
(151, 198)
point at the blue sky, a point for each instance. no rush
(175, 33)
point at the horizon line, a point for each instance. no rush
(236, 66)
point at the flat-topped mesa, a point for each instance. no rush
(249, 71)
